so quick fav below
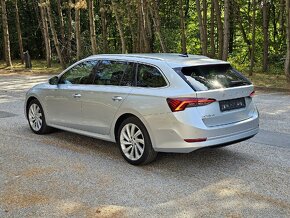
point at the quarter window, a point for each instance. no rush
(82, 73)
(148, 76)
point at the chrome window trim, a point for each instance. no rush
(138, 62)
(124, 60)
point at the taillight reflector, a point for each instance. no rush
(195, 140)
(252, 94)
(179, 104)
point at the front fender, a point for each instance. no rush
(30, 94)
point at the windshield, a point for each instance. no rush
(210, 77)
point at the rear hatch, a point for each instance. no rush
(230, 89)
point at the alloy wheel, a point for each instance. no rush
(35, 117)
(132, 141)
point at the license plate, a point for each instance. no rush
(232, 104)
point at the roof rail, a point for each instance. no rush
(128, 55)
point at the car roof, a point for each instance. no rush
(174, 60)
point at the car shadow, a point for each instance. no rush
(204, 159)
(217, 159)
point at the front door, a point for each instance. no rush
(64, 102)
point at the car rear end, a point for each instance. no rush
(219, 111)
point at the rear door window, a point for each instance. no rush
(113, 72)
(129, 75)
(149, 76)
(209, 77)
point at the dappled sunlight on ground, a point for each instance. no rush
(274, 110)
(283, 111)
(220, 182)
(20, 83)
(63, 174)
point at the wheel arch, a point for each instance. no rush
(120, 120)
(29, 99)
(124, 116)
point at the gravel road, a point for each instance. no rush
(67, 175)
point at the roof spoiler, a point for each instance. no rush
(185, 55)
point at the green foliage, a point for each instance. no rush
(170, 30)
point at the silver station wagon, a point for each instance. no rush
(147, 103)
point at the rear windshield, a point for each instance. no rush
(209, 77)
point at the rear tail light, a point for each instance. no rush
(179, 104)
(252, 94)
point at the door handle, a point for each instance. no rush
(77, 95)
(117, 98)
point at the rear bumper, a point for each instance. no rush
(168, 133)
(184, 147)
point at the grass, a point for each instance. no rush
(268, 80)
(38, 67)
(271, 80)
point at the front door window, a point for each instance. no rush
(82, 73)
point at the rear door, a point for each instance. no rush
(229, 88)
(101, 101)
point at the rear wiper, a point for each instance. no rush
(237, 83)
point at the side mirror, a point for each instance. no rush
(53, 80)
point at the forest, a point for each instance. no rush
(254, 35)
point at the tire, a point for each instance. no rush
(36, 118)
(135, 146)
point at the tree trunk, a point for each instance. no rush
(253, 38)
(129, 9)
(19, 33)
(6, 35)
(266, 35)
(182, 28)
(232, 28)
(92, 26)
(282, 17)
(272, 12)
(139, 47)
(54, 34)
(69, 34)
(148, 26)
(119, 27)
(45, 32)
(104, 26)
(287, 61)
(78, 31)
(226, 30)
(204, 17)
(219, 29)
(36, 8)
(157, 24)
(201, 29)
(212, 24)
(242, 29)
(144, 27)
(59, 9)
